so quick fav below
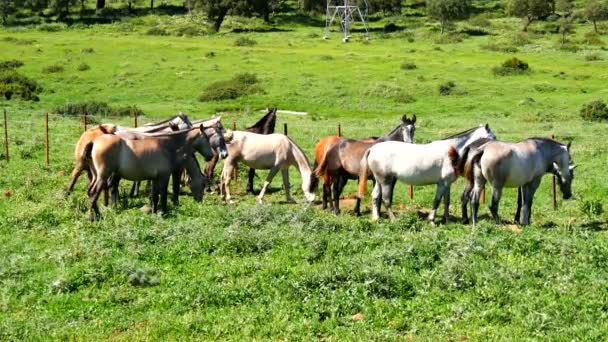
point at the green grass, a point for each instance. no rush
(278, 271)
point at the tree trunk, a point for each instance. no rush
(100, 4)
(442, 26)
(527, 23)
(595, 26)
(217, 23)
(151, 4)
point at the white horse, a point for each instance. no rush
(416, 164)
(271, 151)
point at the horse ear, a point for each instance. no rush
(556, 167)
(404, 118)
(414, 119)
(568, 146)
(202, 127)
(487, 127)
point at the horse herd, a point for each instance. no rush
(164, 150)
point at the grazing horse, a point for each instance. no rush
(416, 164)
(264, 126)
(521, 165)
(343, 160)
(153, 158)
(274, 151)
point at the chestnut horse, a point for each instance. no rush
(342, 161)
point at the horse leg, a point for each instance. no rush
(95, 189)
(496, 195)
(376, 201)
(225, 181)
(211, 167)
(154, 195)
(387, 196)
(339, 183)
(438, 195)
(267, 182)
(464, 200)
(446, 204)
(519, 204)
(528, 195)
(358, 205)
(286, 185)
(74, 177)
(163, 185)
(250, 178)
(176, 179)
(327, 191)
(115, 190)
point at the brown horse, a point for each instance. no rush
(264, 126)
(320, 151)
(342, 161)
(154, 158)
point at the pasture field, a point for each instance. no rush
(280, 271)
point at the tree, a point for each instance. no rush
(218, 9)
(529, 10)
(61, 7)
(101, 4)
(7, 7)
(596, 10)
(564, 7)
(385, 6)
(446, 10)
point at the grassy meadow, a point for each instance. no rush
(281, 271)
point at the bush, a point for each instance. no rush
(239, 85)
(11, 64)
(591, 38)
(569, 47)
(450, 38)
(446, 88)
(593, 57)
(96, 108)
(157, 31)
(594, 111)
(210, 54)
(480, 21)
(474, 31)
(388, 91)
(591, 207)
(244, 41)
(408, 66)
(87, 50)
(83, 67)
(499, 48)
(13, 85)
(512, 66)
(53, 69)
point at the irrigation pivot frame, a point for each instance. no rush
(347, 13)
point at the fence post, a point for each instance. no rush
(339, 130)
(46, 139)
(135, 119)
(6, 136)
(553, 190)
(411, 192)
(285, 128)
(235, 170)
(84, 121)
(483, 196)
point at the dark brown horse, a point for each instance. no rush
(343, 160)
(264, 126)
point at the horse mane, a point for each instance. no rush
(266, 124)
(461, 133)
(543, 139)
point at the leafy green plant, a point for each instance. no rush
(446, 88)
(96, 108)
(11, 64)
(55, 68)
(512, 66)
(244, 41)
(594, 111)
(15, 85)
(239, 85)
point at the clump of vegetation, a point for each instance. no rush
(142, 278)
(512, 66)
(15, 85)
(11, 64)
(499, 47)
(447, 10)
(55, 68)
(594, 111)
(389, 91)
(591, 38)
(87, 50)
(18, 41)
(239, 85)
(593, 57)
(408, 66)
(244, 41)
(210, 54)
(446, 88)
(96, 108)
(451, 38)
(591, 207)
(83, 67)
(157, 31)
(544, 88)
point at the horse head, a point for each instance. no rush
(408, 128)
(563, 168)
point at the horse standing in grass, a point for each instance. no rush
(521, 165)
(153, 158)
(416, 164)
(264, 126)
(342, 161)
(275, 152)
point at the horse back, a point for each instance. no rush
(351, 152)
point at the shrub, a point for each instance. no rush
(451, 38)
(55, 27)
(520, 39)
(569, 47)
(408, 66)
(544, 88)
(13, 85)
(239, 85)
(244, 41)
(83, 67)
(390, 27)
(210, 54)
(446, 88)
(591, 38)
(591, 207)
(388, 91)
(474, 31)
(96, 108)
(87, 50)
(512, 66)
(594, 111)
(499, 48)
(11, 64)
(53, 69)
(157, 31)
(480, 21)
(593, 57)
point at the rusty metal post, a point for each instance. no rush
(339, 130)
(46, 139)
(411, 192)
(84, 121)
(235, 170)
(6, 137)
(553, 190)
(483, 196)
(285, 128)
(135, 119)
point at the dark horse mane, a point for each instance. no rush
(461, 133)
(266, 124)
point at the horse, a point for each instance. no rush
(342, 161)
(521, 165)
(263, 126)
(273, 151)
(321, 149)
(153, 158)
(416, 164)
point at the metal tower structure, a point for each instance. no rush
(347, 13)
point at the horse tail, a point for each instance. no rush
(470, 165)
(463, 160)
(105, 129)
(454, 159)
(363, 174)
(321, 169)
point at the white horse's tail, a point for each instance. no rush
(363, 174)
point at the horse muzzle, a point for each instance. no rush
(223, 154)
